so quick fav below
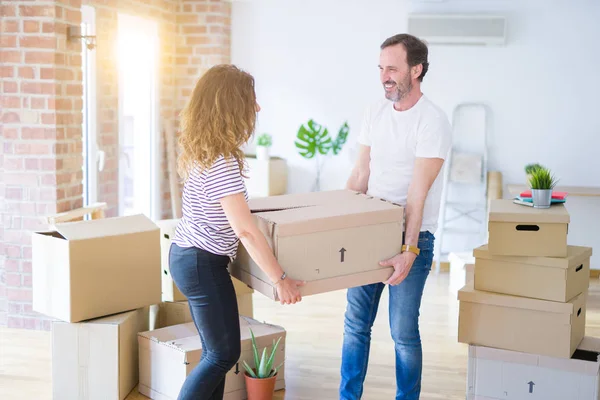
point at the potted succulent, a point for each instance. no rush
(542, 183)
(529, 168)
(262, 146)
(260, 381)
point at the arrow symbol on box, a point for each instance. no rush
(237, 368)
(531, 385)
(342, 252)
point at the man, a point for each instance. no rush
(403, 143)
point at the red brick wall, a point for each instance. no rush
(41, 102)
(41, 81)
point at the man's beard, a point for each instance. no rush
(402, 90)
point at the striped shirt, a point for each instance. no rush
(203, 223)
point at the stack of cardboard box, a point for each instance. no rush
(527, 303)
(100, 281)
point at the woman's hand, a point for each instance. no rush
(288, 291)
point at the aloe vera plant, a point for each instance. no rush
(263, 365)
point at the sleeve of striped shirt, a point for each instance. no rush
(223, 179)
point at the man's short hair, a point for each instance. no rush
(416, 50)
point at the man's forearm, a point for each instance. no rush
(414, 218)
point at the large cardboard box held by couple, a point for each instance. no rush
(517, 230)
(544, 278)
(168, 355)
(170, 292)
(495, 374)
(91, 269)
(522, 324)
(332, 240)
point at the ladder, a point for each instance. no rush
(464, 205)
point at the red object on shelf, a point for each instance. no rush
(555, 195)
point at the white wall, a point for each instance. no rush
(318, 59)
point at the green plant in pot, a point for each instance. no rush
(314, 141)
(263, 144)
(260, 380)
(529, 168)
(542, 183)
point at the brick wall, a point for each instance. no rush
(41, 81)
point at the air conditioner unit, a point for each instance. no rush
(458, 29)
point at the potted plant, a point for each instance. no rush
(260, 381)
(262, 146)
(542, 182)
(529, 168)
(314, 141)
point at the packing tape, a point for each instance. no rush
(83, 360)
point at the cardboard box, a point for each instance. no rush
(545, 278)
(519, 323)
(174, 313)
(91, 269)
(168, 355)
(168, 314)
(332, 240)
(495, 374)
(517, 230)
(97, 359)
(170, 292)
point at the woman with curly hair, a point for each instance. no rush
(218, 119)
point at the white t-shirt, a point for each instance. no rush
(396, 139)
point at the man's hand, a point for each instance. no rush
(402, 264)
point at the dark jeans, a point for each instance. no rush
(204, 279)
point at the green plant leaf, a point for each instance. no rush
(529, 168)
(542, 179)
(341, 138)
(254, 349)
(312, 138)
(250, 371)
(272, 356)
(262, 369)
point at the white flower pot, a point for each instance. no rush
(262, 153)
(542, 198)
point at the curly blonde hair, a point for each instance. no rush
(218, 120)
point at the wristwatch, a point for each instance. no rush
(280, 279)
(412, 249)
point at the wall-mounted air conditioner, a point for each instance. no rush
(459, 29)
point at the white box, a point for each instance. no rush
(495, 374)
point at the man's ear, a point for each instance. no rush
(416, 71)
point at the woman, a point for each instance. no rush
(218, 119)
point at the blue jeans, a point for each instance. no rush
(405, 302)
(204, 279)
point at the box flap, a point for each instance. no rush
(298, 200)
(575, 255)
(502, 210)
(369, 211)
(184, 337)
(469, 294)
(96, 228)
